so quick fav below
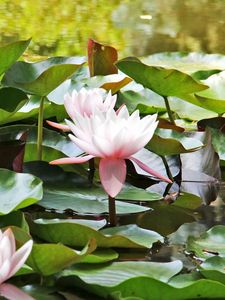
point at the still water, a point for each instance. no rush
(134, 27)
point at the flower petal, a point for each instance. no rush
(112, 174)
(71, 160)
(62, 127)
(19, 257)
(11, 292)
(149, 170)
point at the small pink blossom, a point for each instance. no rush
(113, 137)
(85, 102)
(11, 261)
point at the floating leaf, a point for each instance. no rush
(213, 268)
(52, 141)
(192, 63)
(42, 77)
(218, 140)
(18, 190)
(170, 142)
(209, 244)
(48, 259)
(64, 190)
(118, 272)
(171, 217)
(15, 218)
(77, 234)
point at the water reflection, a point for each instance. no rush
(134, 27)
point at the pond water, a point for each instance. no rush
(134, 27)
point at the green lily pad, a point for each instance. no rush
(52, 142)
(71, 191)
(10, 53)
(165, 82)
(209, 244)
(77, 234)
(170, 142)
(48, 259)
(42, 77)
(171, 217)
(190, 63)
(145, 280)
(15, 218)
(218, 140)
(18, 190)
(213, 268)
(42, 293)
(118, 272)
(100, 256)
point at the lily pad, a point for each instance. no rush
(170, 142)
(52, 140)
(48, 259)
(42, 77)
(190, 63)
(118, 272)
(18, 190)
(165, 82)
(213, 268)
(209, 244)
(77, 234)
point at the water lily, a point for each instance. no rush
(112, 137)
(85, 102)
(10, 262)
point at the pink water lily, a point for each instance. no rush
(10, 262)
(113, 137)
(85, 102)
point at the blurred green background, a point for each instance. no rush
(135, 27)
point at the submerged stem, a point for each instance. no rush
(169, 111)
(40, 129)
(112, 212)
(91, 170)
(169, 174)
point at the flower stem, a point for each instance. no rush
(169, 111)
(112, 212)
(40, 129)
(91, 170)
(169, 174)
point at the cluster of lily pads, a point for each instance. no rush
(64, 210)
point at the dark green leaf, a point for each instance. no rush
(165, 82)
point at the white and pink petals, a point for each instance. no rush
(149, 170)
(19, 257)
(89, 148)
(11, 292)
(62, 127)
(4, 270)
(123, 113)
(8, 232)
(110, 101)
(103, 146)
(85, 102)
(69, 105)
(112, 174)
(71, 160)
